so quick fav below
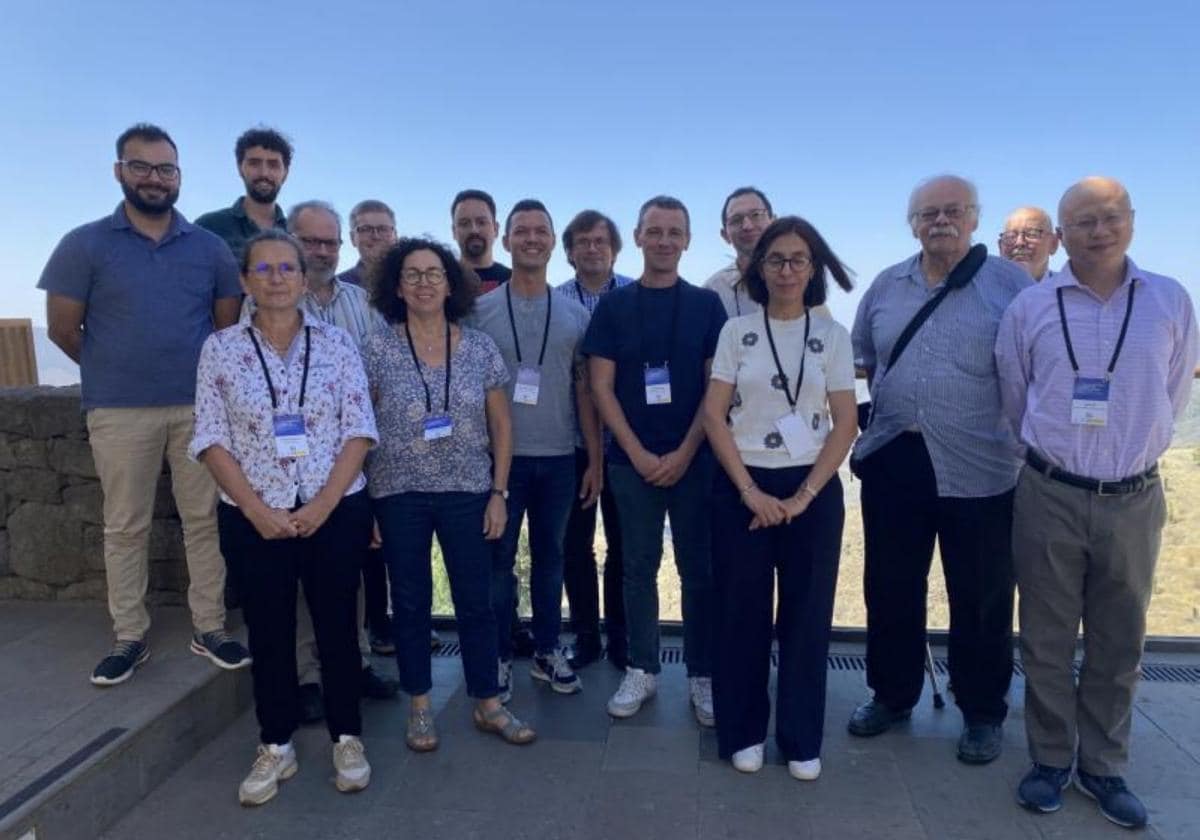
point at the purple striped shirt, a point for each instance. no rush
(1149, 387)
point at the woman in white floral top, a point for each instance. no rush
(283, 422)
(439, 391)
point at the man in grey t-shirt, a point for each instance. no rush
(539, 334)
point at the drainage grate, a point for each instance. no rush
(1151, 671)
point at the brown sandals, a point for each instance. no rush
(505, 724)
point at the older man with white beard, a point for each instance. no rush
(936, 462)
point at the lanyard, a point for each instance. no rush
(612, 284)
(513, 324)
(737, 304)
(1062, 317)
(267, 373)
(641, 324)
(424, 384)
(783, 379)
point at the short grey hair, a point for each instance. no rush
(370, 205)
(315, 204)
(934, 179)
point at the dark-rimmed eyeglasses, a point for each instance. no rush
(142, 169)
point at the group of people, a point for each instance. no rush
(341, 421)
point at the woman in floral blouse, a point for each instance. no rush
(283, 422)
(440, 397)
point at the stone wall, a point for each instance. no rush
(51, 524)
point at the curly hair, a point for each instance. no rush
(824, 262)
(384, 297)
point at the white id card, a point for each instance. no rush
(658, 385)
(529, 381)
(438, 426)
(290, 440)
(1089, 402)
(801, 435)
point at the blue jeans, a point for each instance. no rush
(407, 523)
(642, 509)
(545, 487)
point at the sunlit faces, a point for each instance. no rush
(318, 232)
(273, 277)
(1029, 240)
(422, 284)
(263, 172)
(530, 239)
(1096, 224)
(372, 233)
(746, 217)
(150, 193)
(786, 269)
(475, 228)
(592, 252)
(663, 236)
(943, 217)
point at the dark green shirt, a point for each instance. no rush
(234, 226)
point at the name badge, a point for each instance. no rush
(658, 385)
(290, 440)
(438, 426)
(1089, 402)
(529, 382)
(801, 434)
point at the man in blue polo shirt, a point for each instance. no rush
(131, 298)
(264, 157)
(651, 346)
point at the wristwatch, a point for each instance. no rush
(503, 494)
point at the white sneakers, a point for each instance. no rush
(272, 765)
(805, 771)
(749, 760)
(700, 696)
(636, 688)
(275, 763)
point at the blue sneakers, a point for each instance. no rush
(1116, 802)
(120, 663)
(554, 669)
(1041, 789)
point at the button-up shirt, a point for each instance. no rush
(234, 226)
(233, 407)
(580, 293)
(945, 383)
(355, 276)
(728, 285)
(1148, 389)
(349, 308)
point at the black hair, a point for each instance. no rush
(459, 302)
(266, 138)
(477, 195)
(147, 133)
(523, 206)
(824, 262)
(745, 191)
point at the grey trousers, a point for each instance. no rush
(1083, 557)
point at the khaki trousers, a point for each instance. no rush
(128, 445)
(1083, 557)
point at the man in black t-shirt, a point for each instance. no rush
(650, 347)
(474, 227)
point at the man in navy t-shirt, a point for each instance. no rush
(651, 346)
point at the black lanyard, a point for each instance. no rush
(641, 324)
(609, 286)
(1062, 317)
(736, 303)
(513, 323)
(424, 384)
(783, 378)
(266, 373)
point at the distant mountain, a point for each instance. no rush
(54, 368)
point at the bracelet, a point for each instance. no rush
(807, 488)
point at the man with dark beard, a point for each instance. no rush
(131, 297)
(264, 157)
(474, 227)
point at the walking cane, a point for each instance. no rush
(938, 701)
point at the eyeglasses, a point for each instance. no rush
(284, 271)
(377, 230)
(142, 169)
(584, 242)
(953, 212)
(314, 244)
(1030, 234)
(775, 264)
(1088, 224)
(754, 216)
(430, 277)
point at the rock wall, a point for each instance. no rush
(51, 520)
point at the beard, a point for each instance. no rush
(263, 192)
(475, 246)
(151, 207)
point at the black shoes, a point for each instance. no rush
(874, 718)
(120, 663)
(979, 743)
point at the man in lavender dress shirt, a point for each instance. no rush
(1096, 366)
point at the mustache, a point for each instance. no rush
(944, 230)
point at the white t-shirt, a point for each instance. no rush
(743, 359)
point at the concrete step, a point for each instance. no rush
(75, 758)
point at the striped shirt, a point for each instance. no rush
(349, 308)
(944, 384)
(1149, 387)
(580, 293)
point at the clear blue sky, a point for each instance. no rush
(835, 110)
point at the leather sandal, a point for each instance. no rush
(505, 724)
(421, 735)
